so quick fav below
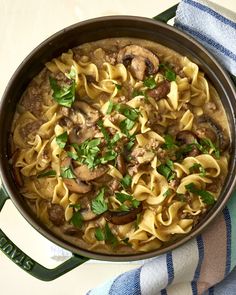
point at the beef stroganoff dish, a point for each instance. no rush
(120, 146)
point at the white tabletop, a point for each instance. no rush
(23, 25)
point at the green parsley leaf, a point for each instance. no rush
(61, 140)
(118, 86)
(109, 237)
(126, 181)
(198, 167)
(87, 152)
(138, 220)
(170, 75)
(167, 193)
(104, 131)
(77, 219)
(126, 125)
(109, 156)
(47, 174)
(207, 144)
(169, 142)
(65, 95)
(135, 203)
(150, 82)
(137, 92)
(99, 235)
(72, 155)
(99, 205)
(129, 113)
(130, 144)
(166, 170)
(124, 207)
(115, 139)
(67, 172)
(110, 107)
(121, 197)
(72, 74)
(205, 196)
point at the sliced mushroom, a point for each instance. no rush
(56, 214)
(163, 88)
(121, 164)
(72, 231)
(79, 136)
(77, 186)
(86, 174)
(186, 137)
(91, 114)
(208, 128)
(142, 60)
(122, 217)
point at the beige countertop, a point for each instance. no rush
(23, 25)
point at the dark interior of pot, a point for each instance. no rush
(95, 30)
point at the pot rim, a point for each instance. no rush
(48, 234)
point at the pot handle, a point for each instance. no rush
(27, 263)
(168, 14)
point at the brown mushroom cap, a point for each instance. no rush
(122, 217)
(79, 136)
(213, 131)
(91, 114)
(143, 61)
(86, 174)
(77, 186)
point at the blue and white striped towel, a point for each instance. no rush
(211, 25)
(206, 264)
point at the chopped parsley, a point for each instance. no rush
(109, 236)
(109, 156)
(99, 235)
(118, 86)
(121, 197)
(167, 193)
(61, 140)
(115, 139)
(126, 125)
(106, 235)
(63, 95)
(169, 142)
(206, 145)
(130, 113)
(150, 82)
(103, 130)
(205, 196)
(167, 170)
(170, 75)
(67, 172)
(99, 205)
(87, 152)
(77, 218)
(137, 92)
(49, 173)
(198, 168)
(72, 155)
(110, 107)
(126, 181)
